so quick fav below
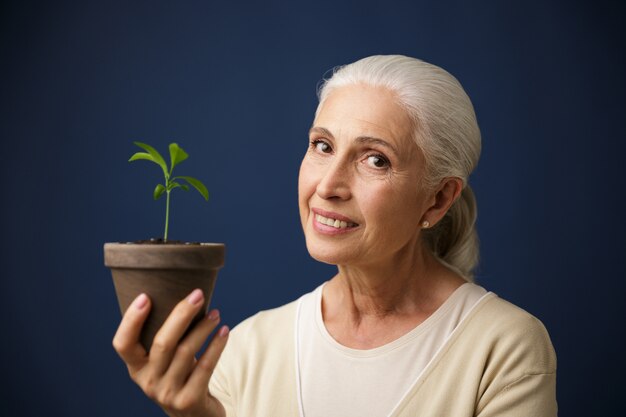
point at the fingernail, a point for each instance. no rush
(223, 331)
(141, 301)
(214, 314)
(195, 297)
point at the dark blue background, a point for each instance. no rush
(235, 85)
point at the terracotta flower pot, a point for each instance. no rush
(167, 273)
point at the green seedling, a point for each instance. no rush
(177, 155)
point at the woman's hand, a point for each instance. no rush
(170, 374)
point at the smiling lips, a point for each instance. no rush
(332, 221)
(336, 223)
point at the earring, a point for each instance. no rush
(425, 224)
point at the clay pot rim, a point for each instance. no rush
(160, 245)
(164, 256)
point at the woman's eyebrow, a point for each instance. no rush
(361, 139)
(376, 141)
(322, 131)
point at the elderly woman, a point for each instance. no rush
(401, 329)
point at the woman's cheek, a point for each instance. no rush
(306, 179)
(304, 192)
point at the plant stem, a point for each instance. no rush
(167, 215)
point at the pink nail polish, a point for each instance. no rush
(223, 331)
(141, 301)
(214, 314)
(195, 297)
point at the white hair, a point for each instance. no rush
(446, 131)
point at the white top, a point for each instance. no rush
(337, 381)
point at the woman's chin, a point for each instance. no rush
(327, 255)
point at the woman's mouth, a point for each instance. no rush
(330, 223)
(336, 223)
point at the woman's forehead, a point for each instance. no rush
(362, 110)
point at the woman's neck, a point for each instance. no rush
(368, 305)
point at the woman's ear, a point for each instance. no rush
(445, 195)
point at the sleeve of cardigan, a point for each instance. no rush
(530, 395)
(520, 378)
(218, 391)
(218, 385)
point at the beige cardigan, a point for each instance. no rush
(498, 362)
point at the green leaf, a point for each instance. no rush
(177, 155)
(197, 184)
(155, 155)
(174, 184)
(142, 155)
(158, 191)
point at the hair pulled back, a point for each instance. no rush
(446, 131)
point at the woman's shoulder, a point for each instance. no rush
(501, 327)
(498, 314)
(255, 359)
(267, 322)
(266, 332)
(499, 357)
(279, 321)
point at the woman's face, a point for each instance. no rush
(359, 194)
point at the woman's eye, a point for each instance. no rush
(321, 146)
(377, 161)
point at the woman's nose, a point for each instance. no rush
(335, 181)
